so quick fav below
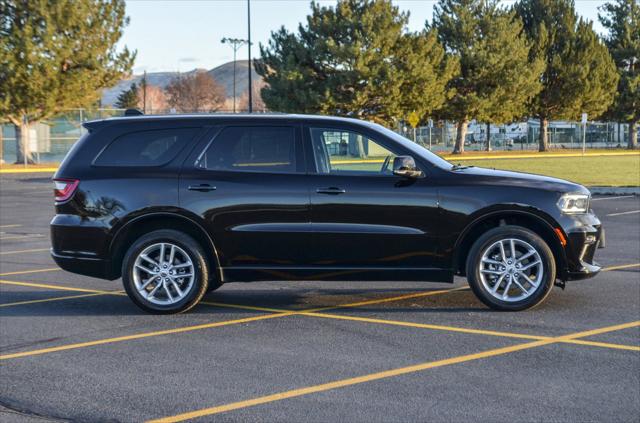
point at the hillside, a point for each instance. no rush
(222, 74)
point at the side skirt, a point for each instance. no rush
(251, 274)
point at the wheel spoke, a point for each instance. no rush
(497, 285)
(530, 265)
(146, 283)
(513, 249)
(172, 254)
(505, 293)
(144, 269)
(525, 256)
(502, 252)
(166, 289)
(494, 262)
(149, 259)
(162, 246)
(519, 285)
(176, 287)
(154, 290)
(180, 266)
(492, 272)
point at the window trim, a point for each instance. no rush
(298, 146)
(196, 134)
(375, 137)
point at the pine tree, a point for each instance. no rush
(579, 75)
(496, 77)
(128, 99)
(355, 59)
(622, 19)
(55, 55)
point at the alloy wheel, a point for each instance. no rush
(163, 273)
(511, 269)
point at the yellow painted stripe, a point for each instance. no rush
(140, 336)
(622, 266)
(35, 250)
(9, 226)
(56, 287)
(48, 300)
(22, 237)
(24, 272)
(29, 170)
(383, 375)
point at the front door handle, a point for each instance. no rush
(330, 191)
(201, 188)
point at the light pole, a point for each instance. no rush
(249, 48)
(236, 43)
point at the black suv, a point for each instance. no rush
(178, 205)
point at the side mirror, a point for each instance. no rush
(406, 166)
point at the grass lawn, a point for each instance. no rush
(599, 171)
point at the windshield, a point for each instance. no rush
(416, 148)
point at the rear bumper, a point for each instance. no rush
(94, 267)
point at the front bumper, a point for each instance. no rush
(585, 235)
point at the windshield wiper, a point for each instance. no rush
(459, 167)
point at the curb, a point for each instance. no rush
(614, 190)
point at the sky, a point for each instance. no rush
(180, 35)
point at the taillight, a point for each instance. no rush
(64, 188)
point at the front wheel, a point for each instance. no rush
(511, 268)
(165, 272)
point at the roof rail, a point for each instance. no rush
(133, 112)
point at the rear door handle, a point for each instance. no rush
(201, 188)
(330, 191)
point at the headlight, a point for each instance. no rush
(574, 203)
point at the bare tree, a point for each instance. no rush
(195, 92)
(156, 99)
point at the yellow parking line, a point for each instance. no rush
(35, 250)
(622, 266)
(9, 226)
(29, 170)
(140, 336)
(383, 375)
(46, 300)
(24, 272)
(22, 237)
(56, 287)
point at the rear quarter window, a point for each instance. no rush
(145, 148)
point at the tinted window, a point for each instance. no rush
(146, 148)
(253, 149)
(340, 151)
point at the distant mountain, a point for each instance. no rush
(223, 75)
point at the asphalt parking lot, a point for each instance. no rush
(74, 348)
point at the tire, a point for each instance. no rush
(168, 287)
(524, 282)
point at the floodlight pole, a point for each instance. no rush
(236, 43)
(249, 49)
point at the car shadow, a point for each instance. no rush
(333, 299)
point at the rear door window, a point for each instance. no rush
(270, 149)
(146, 148)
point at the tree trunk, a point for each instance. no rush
(23, 149)
(544, 136)
(488, 146)
(633, 136)
(461, 134)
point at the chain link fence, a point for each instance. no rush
(50, 140)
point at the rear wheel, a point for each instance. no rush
(511, 268)
(165, 272)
